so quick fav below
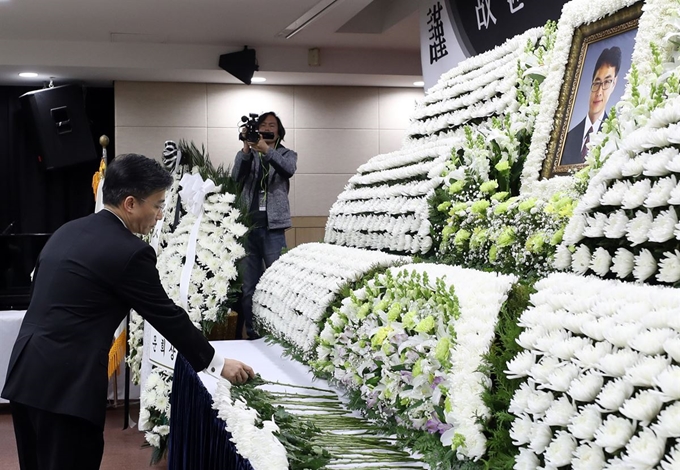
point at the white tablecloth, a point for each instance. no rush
(10, 322)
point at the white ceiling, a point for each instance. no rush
(97, 42)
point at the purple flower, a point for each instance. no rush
(437, 380)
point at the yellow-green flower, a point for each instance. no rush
(556, 239)
(363, 311)
(380, 336)
(442, 350)
(426, 325)
(394, 311)
(535, 242)
(479, 237)
(501, 208)
(446, 233)
(480, 207)
(507, 237)
(457, 187)
(489, 187)
(409, 320)
(500, 197)
(528, 204)
(462, 236)
(458, 207)
(444, 206)
(382, 305)
(502, 166)
(417, 368)
(493, 253)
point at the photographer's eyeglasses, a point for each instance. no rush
(606, 85)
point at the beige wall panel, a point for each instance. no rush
(397, 106)
(140, 104)
(227, 103)
(309, 235)
(290, 238)
(315, 194)
(149, 140)
(309, 222)
(336, 108)
(334, 150)
(391, 140)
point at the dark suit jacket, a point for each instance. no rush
(574, 143)
(89, 275)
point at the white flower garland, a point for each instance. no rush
(438, 343)
(256, 443)
(393, 216)
(294, 292)
(601, 375)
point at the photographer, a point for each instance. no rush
(263, 168)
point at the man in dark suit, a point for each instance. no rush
(604, 80)
(91, 272)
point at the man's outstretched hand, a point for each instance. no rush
(236, 372)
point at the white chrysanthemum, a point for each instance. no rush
(621, 334)
(560, 413)
(542, 370)
(616, 363)
(580, 260)
(540, 438)
(559, 451)
(643, 372)
(661, 192)
(614, 196)
(674, 196)
(616, 224)
(637, 194)
(623, 263)
(539, 402)
(586, 422)
(645, 265)
(521, 364)
(672, 348)
(562, 258)
(638, 227)
(590, 355)
(657, 165)
(595, 225)
(643, 407)
(669, 267)
(663, 227)
(601, 262)
(672, 460)
(645, 450)
(521, 429)
(585, 388)
(633, 167)
(526, 460)
(574, 231)
(668, 421)
(668, 381)
(566, 348)
(614, 393)
(561, 378)
(588, 456)
(614, 433)
(520, 399)
(651, 341)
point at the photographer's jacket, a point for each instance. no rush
(279, 165)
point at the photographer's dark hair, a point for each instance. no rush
(134, 175)
(263, 116)
(610, 57)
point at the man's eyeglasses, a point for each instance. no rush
(606, 85)
(159, 207)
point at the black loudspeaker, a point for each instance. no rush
(61, 125)
(241, 64)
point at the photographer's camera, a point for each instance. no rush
(252, 132)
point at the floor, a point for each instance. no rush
(122, 448)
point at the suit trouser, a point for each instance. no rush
(52, 441)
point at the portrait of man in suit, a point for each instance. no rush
(604, 81)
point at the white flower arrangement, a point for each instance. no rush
(611, 399)
(413, 347)
(384, 206)
(254, 439)
(294, 294)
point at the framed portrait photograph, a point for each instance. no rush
(594, 81)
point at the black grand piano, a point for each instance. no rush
(18, 255)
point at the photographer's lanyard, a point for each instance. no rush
(262, 193)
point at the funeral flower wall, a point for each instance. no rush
(626, 225)
(293, 295)
(411, 342)
(600, 371)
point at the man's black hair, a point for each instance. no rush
(610, 57)
(263, 116)
(134, 175)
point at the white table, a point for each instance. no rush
(10, 322)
